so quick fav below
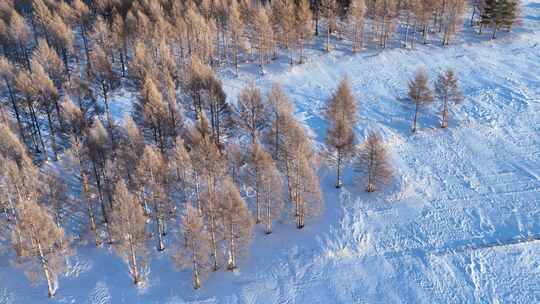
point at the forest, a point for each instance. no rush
(187, 172)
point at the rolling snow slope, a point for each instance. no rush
(459, 224)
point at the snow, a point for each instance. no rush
(459, 224)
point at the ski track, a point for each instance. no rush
(459, 224)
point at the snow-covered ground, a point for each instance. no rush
(458, 224)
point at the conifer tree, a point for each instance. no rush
(448, 92)
(210, 167)
(97, 145)
(237, 222)
(329, 11)
(236, 31)
(264, 36)
(42, 241)
(252, 112)
(356, 17)
(195, 252)
(152, 175)
(271, 195)
(419, 93)
(128, 226)
(452, 19)
(372, 163)
(280, 109)
(306, 190)
(155, 113)
(236, 158)
(385, 13)
(182, 168)
(105, 81)
(342, 116)
(303, 26)
(7, 75)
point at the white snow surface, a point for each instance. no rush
(458, 224)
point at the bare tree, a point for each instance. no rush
(42, 241)
(306, 190)
(152, 175)
(280, 109)
(342, 116)
(236, 31)
(105, 81)
(264, 36)
(237, 222)
(252, 112)
(271, 192)
(329, 10)
(255, 175)
(419, 93)
(195, 253)
(448, 92)
(356, 13)
(7, 74)
(128, 226)
(210, 167)
(303, 26)
(451, 18)
(372, 163)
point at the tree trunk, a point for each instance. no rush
(268, 217)
(133, 262)
(444, 122)
(415, 117)
(196, 276)
(338, 181)
(53, 136)
(45, 267)
(231, 264)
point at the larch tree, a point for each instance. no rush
(342, 116)
(448, 91)
(44, 91)
(264, 36)
(196, 250)
(420, 93)
(385, 13)
(252, 112)
(280, 110)
(372, 163)
(105, 81)
(307, 195)
(152, 174)
(43, 242)
(154, 113)
(303, 27)
(452, 19)
(283, 22)
(25, 86)
(236, 158)
(7, 75)
(128, 226)
(255, 175)
(131, 150)
(210, 168)
(98, 148)
(356, 12)
(236, 31)
(181, 168)
(51, 63)
(271, 192)
(237, 222)
(329, 11)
